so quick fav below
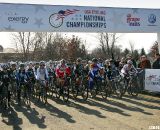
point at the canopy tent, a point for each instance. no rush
(58, 18)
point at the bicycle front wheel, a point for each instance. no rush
(65, 93)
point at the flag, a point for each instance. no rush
(62, 14)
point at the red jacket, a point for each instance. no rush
(61, 70)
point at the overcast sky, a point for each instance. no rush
(140, 40)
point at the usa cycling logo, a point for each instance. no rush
(152, 19)
(56, 19)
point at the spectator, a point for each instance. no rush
(156, 63)
(122, 63)
(144, 62)
(129, 57)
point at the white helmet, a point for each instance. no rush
(129, 62)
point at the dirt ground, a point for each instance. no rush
(94, 114)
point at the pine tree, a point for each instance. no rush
(142, 52)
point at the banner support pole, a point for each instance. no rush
(158, 40)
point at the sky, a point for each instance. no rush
(139, 39)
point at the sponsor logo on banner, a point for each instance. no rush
(133, 21)
(13, 17)
(85, 19)
(153, 80)
(152, 20)
(18, 19)
(56, 19)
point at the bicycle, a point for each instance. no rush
(116, 86)
(4, 95)
(132, 84)
(80, 86)
(25, 93)
(62, 88)
(100, 86)
(42, 92)
(51, 85)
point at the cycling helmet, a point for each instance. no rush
(106, 61)
(22, 65)
(94, 60)
(30, 63)
(79, 60)
(13, 63)
(42, 63)
(129, 56)
(5, 66)
(129, 62)
(62, 61)
(89, 62)
(111, 60)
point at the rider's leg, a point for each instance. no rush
(91, 83)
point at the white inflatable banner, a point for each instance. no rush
(57, 18)
(152, 80)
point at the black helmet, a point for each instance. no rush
(94, 60)
(22, 65)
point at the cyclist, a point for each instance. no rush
(78, 69)
(42, 73)
(31, 76)
(36, 66)
(51, 72)
(108, 70)
(12, 73)
(94, 72)
(5, 80)
(127, 69)
(62, 70)
(42, 78)
(22, 79)
(100, 62)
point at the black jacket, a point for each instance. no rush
(156, 64)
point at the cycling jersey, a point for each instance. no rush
(61, 70)
(42, 74)
(94, 70)
(78, 69)
(30, 73)
(5, 77)
(50, 72)
(21, 76)
(126, 69)
(93, 73)
(12, 73)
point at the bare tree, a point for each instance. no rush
(131, 43)
(107, 43)
(23, 42)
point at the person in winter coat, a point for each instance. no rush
(144, 63)
(156, 63)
